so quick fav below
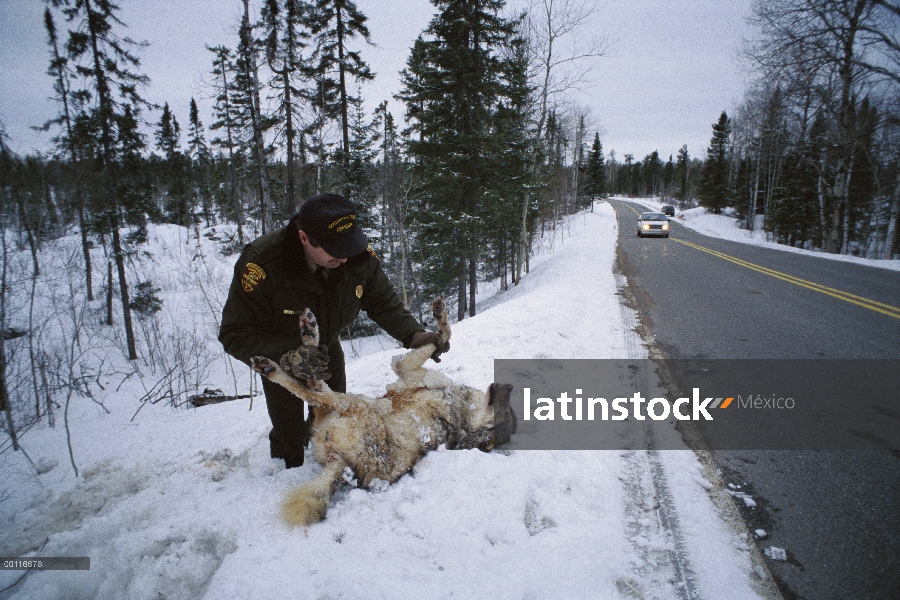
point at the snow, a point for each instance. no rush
(727, 227)
(184, 503)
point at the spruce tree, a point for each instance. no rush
(199, 159)
(103, 59)
(333, 23)
(168, 140)
(668, 176)
(713, 189)
(71, 106)
(595, 173)
(682, 174)
(452, 85)
(246, 101)
(286, 36)
(228, 118)
(360, 175)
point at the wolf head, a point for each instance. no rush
(490, 419)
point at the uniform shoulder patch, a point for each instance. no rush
(251, 276)
(371, 252)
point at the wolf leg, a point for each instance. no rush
(334, 400)
(439, 311)
(308, 504)
(407, 366)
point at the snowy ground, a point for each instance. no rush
(727, 227)
(185, 503)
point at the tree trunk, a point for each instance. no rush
(461, 291)
(289, 131)
(846, 225)
(473, 284)
(109, 294)
(238, 211)
(255, 118)
(32, 246)
(123, 289)
(502, 262)
(5, 403)
(523, 234)
(85, 249)
(342, 82)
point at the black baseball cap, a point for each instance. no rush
(331, 220)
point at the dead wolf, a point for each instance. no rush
(375, 441)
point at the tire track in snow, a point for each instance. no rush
(658, 541)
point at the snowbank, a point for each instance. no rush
(185, 503)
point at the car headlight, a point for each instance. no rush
(645, 226)
(665, 225)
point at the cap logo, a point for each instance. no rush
(340, 223)
(251, 277)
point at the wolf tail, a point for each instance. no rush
(307, 504)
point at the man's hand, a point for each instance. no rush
(307, 363)
(423, 338)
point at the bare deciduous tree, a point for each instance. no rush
(561, 52)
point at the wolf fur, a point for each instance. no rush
(377, 440)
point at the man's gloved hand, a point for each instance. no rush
(307, 363)
(423, 338)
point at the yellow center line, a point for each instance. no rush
(880, 307)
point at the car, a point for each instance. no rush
(653, 224)
(669, 210)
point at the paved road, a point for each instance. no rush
(837, 513)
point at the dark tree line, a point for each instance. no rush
(676, 179)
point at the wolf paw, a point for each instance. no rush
(262, 365)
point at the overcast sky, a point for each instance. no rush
(674, 66)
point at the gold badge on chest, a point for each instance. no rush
(359, 291)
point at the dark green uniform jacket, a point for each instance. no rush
(272, 285)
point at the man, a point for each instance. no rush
(322, 261)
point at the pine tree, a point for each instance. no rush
(668, 176)
(595, 173)
(168, 139)
(682, 174)
(246, 102)
(66, 141)
(713, 189)
(104, 61)
(199, 158)
(652, 174)
(228, 118)
(333, 23)
(286, 36)
(168, 135)
(394, 241)
(360, 176)
(452, 84)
